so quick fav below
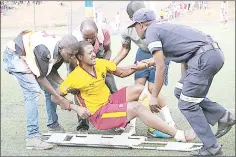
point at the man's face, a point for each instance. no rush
(89, 55)
(90, 35)
(67, 54)
(140, 30)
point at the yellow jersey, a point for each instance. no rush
(94, 93)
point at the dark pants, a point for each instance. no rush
(110, 82)
(192, 90)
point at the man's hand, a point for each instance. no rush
(83, 112)
(154, 106)
(140, 65)
(65, 104)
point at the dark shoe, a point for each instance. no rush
(58, 129)
(212, 151)
(82, 129)
(225, 124)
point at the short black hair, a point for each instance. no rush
(81, 46)
(69, 41)
(88, 23)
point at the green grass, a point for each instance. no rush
(13, 121)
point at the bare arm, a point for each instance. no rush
(82, 111)
(122, 53)
(150, 61)
(160, 72)
(54, 94)
(47, 85)
(125, 71)
(55, 76)
(184, 68)
(129, 70)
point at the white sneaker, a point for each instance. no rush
(129, 130)
(37, 143)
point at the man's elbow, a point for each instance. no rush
(120, 74)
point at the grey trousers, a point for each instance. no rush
(191, 92)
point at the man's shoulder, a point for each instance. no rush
(158, 27)
(42, 52)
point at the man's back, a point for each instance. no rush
(178, 42)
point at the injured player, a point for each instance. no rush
(107, 111)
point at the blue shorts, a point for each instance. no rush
(148, 73)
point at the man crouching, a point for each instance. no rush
(104, 110)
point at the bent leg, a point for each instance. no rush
(31, 92)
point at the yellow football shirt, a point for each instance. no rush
(94, 93)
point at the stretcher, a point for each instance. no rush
(116, 141)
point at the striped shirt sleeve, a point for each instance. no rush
(153, 40)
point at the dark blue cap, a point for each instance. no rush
(143, 15)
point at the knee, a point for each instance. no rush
(187, 106)
(33, 93)
(135, 107)
(138, 88)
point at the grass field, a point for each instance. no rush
(13, 121)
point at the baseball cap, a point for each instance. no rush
(133, 6)
(143, 15)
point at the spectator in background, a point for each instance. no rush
(224, 14)
(117, 19)
(162, 14)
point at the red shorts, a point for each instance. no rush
(113, 114)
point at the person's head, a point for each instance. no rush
(68, 47)
(133, 6)
(141, 20)
(89, 30)
(85, 54)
